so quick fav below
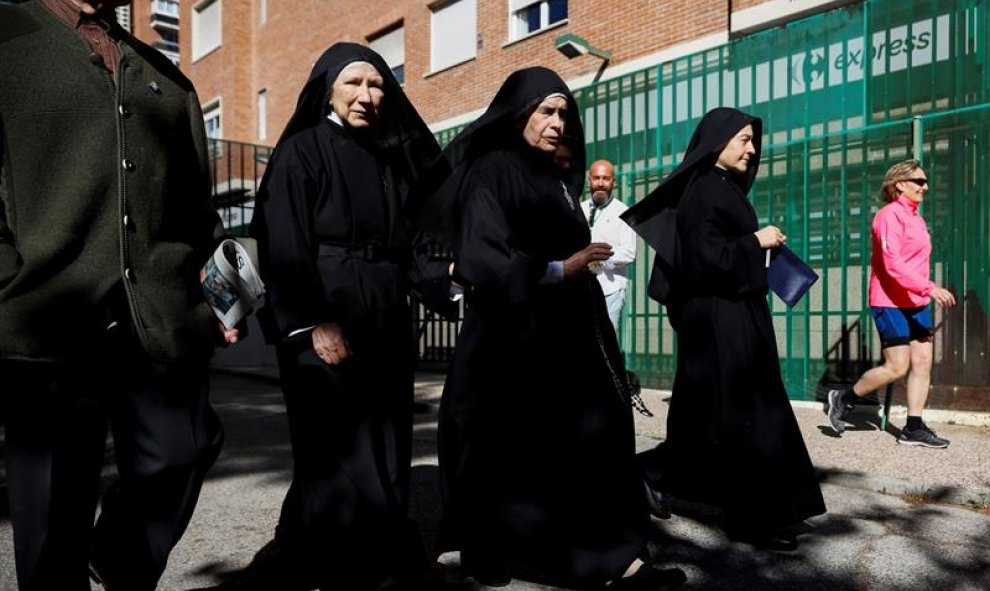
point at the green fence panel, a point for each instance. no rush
(956, 148)
(843, 95)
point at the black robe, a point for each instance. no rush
(336, 244)
(537, 448)
(732, 439)
(351, 424)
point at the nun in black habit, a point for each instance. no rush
(335, 222)
(536, 434)
(732, 439)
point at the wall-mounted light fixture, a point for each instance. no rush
(572, 46)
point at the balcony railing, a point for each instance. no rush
(236, 169)
(165, 14)
(169, 48)
(165, 7)
(173, 56)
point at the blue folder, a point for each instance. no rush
(788, 276)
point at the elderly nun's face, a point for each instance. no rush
(545, 125)
(356, 96)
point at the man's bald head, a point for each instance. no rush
(601, 178)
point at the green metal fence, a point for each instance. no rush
(843, 95)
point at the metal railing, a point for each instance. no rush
(236, 169)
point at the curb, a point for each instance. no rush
(934, 415)
(430, 380)
(966, 418)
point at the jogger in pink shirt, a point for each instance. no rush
(900, 290)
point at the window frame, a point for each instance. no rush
(262, 107)
(517, 6)
(199, 52)
(381, 34)
(434, 9)
(209, 108)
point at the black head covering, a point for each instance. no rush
(654, 218)
(400, 129)
(522, 91)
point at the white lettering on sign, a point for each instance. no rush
(894, 50)
(921, 43)
(890, 51)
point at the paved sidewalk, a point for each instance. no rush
(868, 540)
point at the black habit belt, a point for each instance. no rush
(371, 251)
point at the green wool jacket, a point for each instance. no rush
(101, 183)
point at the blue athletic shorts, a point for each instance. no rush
(900, 326)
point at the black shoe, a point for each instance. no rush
(277, 565)
(775, 541)
(923, 437)
(648, 578)
(838, 410)
(659, 507)
(490, 572)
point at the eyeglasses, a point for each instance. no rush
(919, 182)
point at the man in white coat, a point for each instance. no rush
(602, 211)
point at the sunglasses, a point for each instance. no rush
(919, 182)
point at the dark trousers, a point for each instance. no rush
(165, 437)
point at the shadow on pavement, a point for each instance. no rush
(912, 547)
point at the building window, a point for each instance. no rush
(170, 40)
(211, 120)
(262, 11)
(529, 16)
(168, 44)
(206, 31)
(391, 45)
(263, 114)
(454, 28)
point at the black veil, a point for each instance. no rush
(401, 130)
(654, 218)
(496, 128)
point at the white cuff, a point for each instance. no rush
(555, 272)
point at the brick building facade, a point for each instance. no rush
(251, 65)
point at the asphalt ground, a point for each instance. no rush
(898, 518)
